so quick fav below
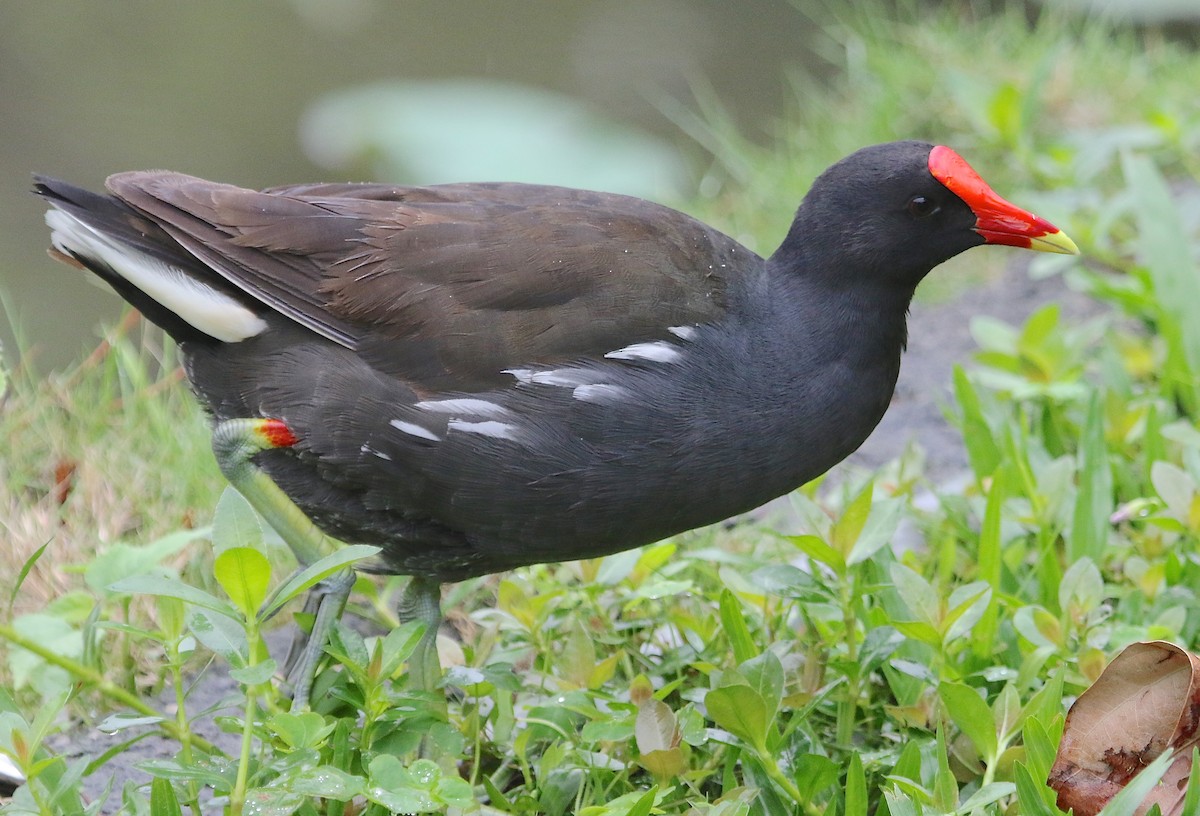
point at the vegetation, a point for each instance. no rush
(733, 670)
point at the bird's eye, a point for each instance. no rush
(921, 207)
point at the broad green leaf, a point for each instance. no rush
(313, 574)
(878, 531)
(967, 605)
(578, 656)
(254, 675)
(122, 560)
(741, 711)
(327, 782)
(816, 548)
(244, 574)
(300, 730)
(220, 633)
(398, 645)
(972, 716)
(813, 774)
(1006, 712)
(764, 673)
(900, 804)
(656, 728)
(172, 588)
(849, 525)
(917, 594)
(1082, 588)
(163, 801)
(235, 522)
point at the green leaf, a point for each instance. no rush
(644, 804)
(989, 793)
(219, 633)
(313, 574)
(1082, 588)
(327, 782)
(813, 774)
(163, 801)
(945, 787)
(917, 594)
(122, 560)
(908, 765)
(578, 655)
(972, 716)
(1129, 799)
(1094, 500)
(656, 728)
(1032, 794)
(849, 525)
(235, 523)
(816, 549)
(254, 675)
(856, 787)
(967, 605)
(172, 588)
(982, 451)
(1165, 248)
(764, 673)
(983, 634)
(741, 711)
(303, 730)
(244, 574)
(735, 627)
(878, 531)
(1191, 800)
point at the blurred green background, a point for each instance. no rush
(280, 91)
(256, 93)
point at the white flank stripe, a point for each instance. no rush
(412, 429)
(600, 392)
(683, 332)
(366, 448)
(497, 430)
(465, 405)
(210, 311)
(566, 377)
(656, 352)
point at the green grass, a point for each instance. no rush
(730, 670)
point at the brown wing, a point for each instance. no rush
(450, 285)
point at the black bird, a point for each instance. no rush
(474, 377)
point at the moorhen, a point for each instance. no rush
(474, 377)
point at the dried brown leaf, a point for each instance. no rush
(1146, 702)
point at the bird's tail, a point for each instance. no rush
(144, 264)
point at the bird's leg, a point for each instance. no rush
(422, 601)
(235, 442)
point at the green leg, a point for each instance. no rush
(422, 601)
(235, 441)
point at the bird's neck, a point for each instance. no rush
(838, 309)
